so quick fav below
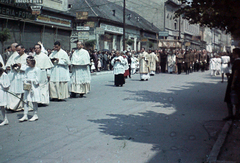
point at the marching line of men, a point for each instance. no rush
(173, 61)
(27, 81)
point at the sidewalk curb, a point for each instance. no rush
(218, 144)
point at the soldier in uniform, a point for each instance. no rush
(187, 62)
(180, 58)
(163, 56)
(203, 60)
(196, 60)
(191, 60)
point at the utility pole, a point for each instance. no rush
(124, 10)
(179, 34)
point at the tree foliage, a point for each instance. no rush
(150, 44)
(221, 14)
(4, 36)
(90, 43)
(129, 42)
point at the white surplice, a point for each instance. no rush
(16, 83)
(59, 75)
(10, 60)
(81, 77)
(43, 63)
(118, 66)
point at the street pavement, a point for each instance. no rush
(169, 119)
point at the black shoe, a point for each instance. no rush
(142, 79)
(81, 95)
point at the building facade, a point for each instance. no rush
(102, 21)
(27, 29)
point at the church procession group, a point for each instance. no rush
(27, 81)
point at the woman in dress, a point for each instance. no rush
(31, 90)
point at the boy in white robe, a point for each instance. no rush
(81, 77)
(59, 73)
(44, 64)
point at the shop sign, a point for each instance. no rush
(74, 34)
(15, 12)
(169, 44)
(149, 35)
(82, 28)
(99, 31)
(53, 20)
(36, 10)
(163, 34)
(29, 1)
(90, 24)
(144, 40)
(187, 43)
(110, 28)
(82, 15)
(83, 35)
(73, 40)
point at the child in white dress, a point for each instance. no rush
(93, 68)
(4, 85)
(99, 65)
(32, 93)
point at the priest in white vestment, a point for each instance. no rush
(81, 77)
(59, 73)
(13, 55)
(44, 63)
(144, 65)
(16, 75)
(153, 59)
(2, 62)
